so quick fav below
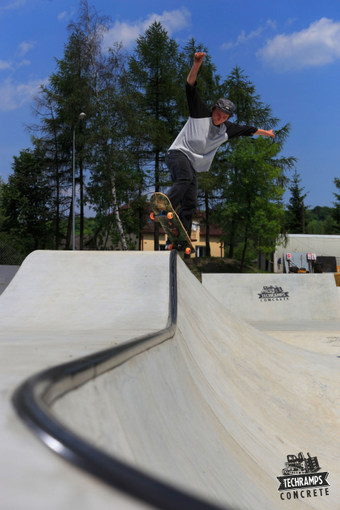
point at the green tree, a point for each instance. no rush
(114, 180)
(249, 107)
(71, 86)
(2, 211)
(295, 217)
(153, 71)
(256, 183)
(49, 137)
(251, 172)
(25, 199)
(320, 220)
(336, 212)
(87, 80)
(68, 93)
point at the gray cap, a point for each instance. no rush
(225, 105)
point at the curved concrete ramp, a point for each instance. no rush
(61, 306)
(214, 411)
(302, 309)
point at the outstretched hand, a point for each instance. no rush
(199, 57)
(265, 132)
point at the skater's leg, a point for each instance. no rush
(182, 175)
(183, 192)
(189, 205)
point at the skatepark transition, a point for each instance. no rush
(127, 367)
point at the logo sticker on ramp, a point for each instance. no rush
(302, 478)
(272, 293)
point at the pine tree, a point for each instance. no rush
(241, 162)
(295, 222)
(336, 212)
(85, 81)
(25, 204)
(58, 106)
(153, 70)
(106, 121)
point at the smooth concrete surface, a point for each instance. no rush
(216, 410)
(301, 309)
(61, 306)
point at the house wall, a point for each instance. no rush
(216, 246)
(321, 245)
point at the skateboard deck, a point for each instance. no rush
(172, 225)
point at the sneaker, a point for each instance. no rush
(167, 244)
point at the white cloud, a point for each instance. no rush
(11, 5)
(127, 33)
(317, 45)
(66, 15)
(243, 37)
(23, 48)
(24, 63)
(170, 20)
(121, 32)
(5, 64)
(26, 46)
(62, 15)
(14, 95)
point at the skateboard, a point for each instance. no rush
(172, 225)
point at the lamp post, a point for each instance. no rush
(81, 117)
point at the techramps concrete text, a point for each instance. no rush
(301, 309)
(124, 365)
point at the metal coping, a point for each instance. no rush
(33, 398)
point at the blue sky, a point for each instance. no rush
(289, 49)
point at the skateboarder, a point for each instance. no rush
(195, 147)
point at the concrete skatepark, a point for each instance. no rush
(301, 309)
(201, 411)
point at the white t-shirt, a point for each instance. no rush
(199, 138)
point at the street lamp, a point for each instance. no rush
(81, 117)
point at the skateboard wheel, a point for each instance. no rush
(170, 215)
(187, 251)
(152, 216)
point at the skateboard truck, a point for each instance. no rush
(187, 250)
(154, 216)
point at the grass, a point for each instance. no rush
(201, 265)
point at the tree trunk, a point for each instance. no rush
(232, 239)
(245, 245)
(207, 225)
(57, 183)
(116, 213)
(141, 211)
(156, 224)
(69, 229)
(303, 217)
(81, 185)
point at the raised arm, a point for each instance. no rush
(264, 132)
(192, 76)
